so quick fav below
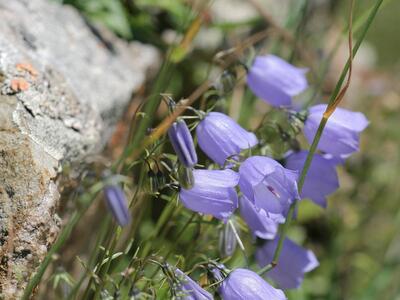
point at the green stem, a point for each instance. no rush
(177, 238)
(92, 259)
(104, 270)
(325, 64)
(149, 110)
(301, 22)
(110, 237)
(363, 33)
(315, 142)
(311, 153)
(163, 219)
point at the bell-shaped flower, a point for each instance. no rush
(341, 135)
(187, 289)
(243, 284)
(182, 142)
(213, 193)
(220, 137)
(268, 185)
(262, 224)
(117, 204)
(294, 262)
(321, 179)
(275, 81)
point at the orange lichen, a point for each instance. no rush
(28, 68)
(19, 85)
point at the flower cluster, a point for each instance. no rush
(267, 187)
(262, 188)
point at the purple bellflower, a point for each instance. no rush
(117, 204)
(188, 289)
(321, 179)
(182, 142)
(341, 134)
(262, 224)
(293, 263)
(268, 185)
(276, 81)
(213, 193)
(220, 137)
(243, 284)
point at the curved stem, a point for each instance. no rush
(317, 137)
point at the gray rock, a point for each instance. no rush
(63, 86)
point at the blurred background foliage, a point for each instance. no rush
(357, 239)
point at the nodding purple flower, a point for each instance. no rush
(321, 179)
(187, 289)
(220, 137)
(341, 134)
(276, 81)
(262, 224)
(213, 193)
(182, 142)
(117, 204)
(294, 261)
(243, 284)
(268, 185)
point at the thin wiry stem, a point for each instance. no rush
(177, 238)
(92, 260)
(336, 97)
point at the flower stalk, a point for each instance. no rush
(318, 135)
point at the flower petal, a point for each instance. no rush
(259, 222)
(321, 179)
(294, 261)
(341, 134)
(213, 193)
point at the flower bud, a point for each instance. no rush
(227, 81)
(156, 181)
(186, 178)
(182, 142)
(117, 204)
(227, 239)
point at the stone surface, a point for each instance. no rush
(63, 85)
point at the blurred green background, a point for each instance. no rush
(357, 239)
